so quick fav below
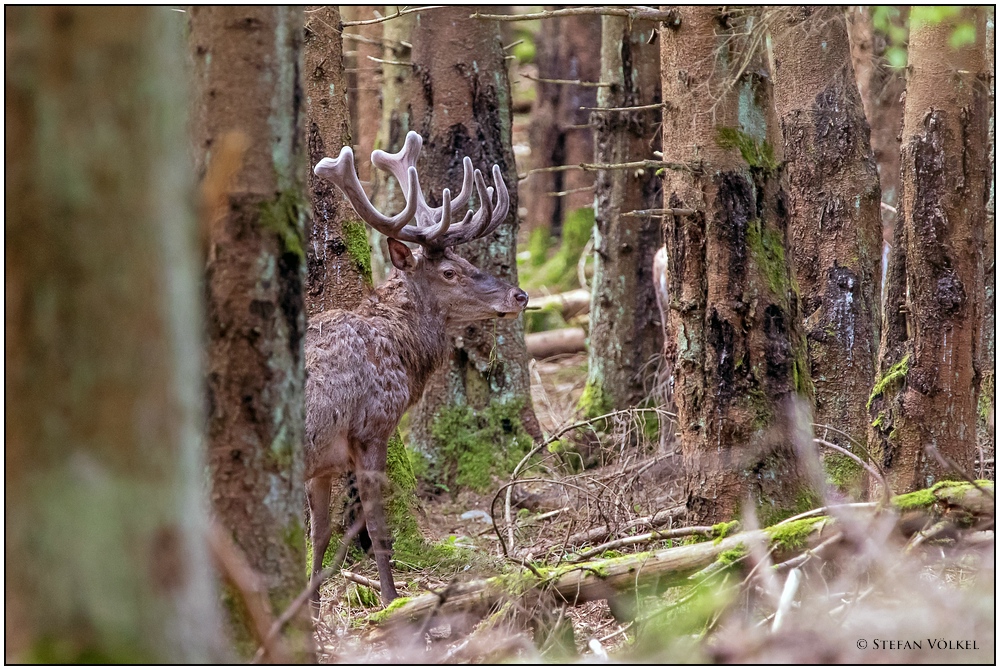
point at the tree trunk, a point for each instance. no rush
(625, 332)
(741, 354)
(925, 401)
(338, 260)
(559, 132)
(247, 73)
(986, 405)
(460, 103)
(881, 87)
(395, 122)
(364, 84)
(833, 205)
(106, 559)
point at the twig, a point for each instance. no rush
(675, 211)
(826, 509)
(802, 558)
(645, 538)
(404, 12)
(559, 194)
(787, 596)
(383, 42)
(635, 13)
(389, 62)
(616, 633)
(233, 564)
(570, 82)
(886, 491)
(364, 581)
(657, 105)
(591, 167)
(307, 593)
(925, 534)
(888, 208)
(654, 520)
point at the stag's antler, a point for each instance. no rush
(431, 226)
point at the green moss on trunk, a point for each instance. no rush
(475, 446)
(356, 241)
(286, 216)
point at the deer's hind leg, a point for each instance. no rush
(371, 473)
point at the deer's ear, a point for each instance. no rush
(401, 256)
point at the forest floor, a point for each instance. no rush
(922, 572)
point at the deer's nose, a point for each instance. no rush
(521, 298)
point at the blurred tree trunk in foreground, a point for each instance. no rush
(625, 334)
(105, 552)
(925, 400)
(741, 354)
(835, 234)
(459, 101)
(247, 74)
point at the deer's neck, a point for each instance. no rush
(417, 328)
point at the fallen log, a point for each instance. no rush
(555, 342)
(570, 303)
(601, 579)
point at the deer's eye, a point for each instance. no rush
(449, 274)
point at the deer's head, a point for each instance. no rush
(463, 292)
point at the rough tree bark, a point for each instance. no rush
(833, 205)
(559, 133)
(105, 552)
(459, 102)
(741, 354)
(247, 74)
(339, 265)
(625, 333)
(986, 405)
(925, 398)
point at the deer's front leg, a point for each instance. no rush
(318, 496)
(371, 474)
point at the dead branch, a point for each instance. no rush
(653, 521)
(400, 12)
(645, 538)
(634, 108)
(570, 82)
(669, 165)
(234, 566)
(675, 211)
(634, 13)
(364, 581)
(306, 594)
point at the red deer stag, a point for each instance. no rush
(366, 367)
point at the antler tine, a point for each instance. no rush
(503, 203)
(398, 163)
(340, 171)
(462, 199)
